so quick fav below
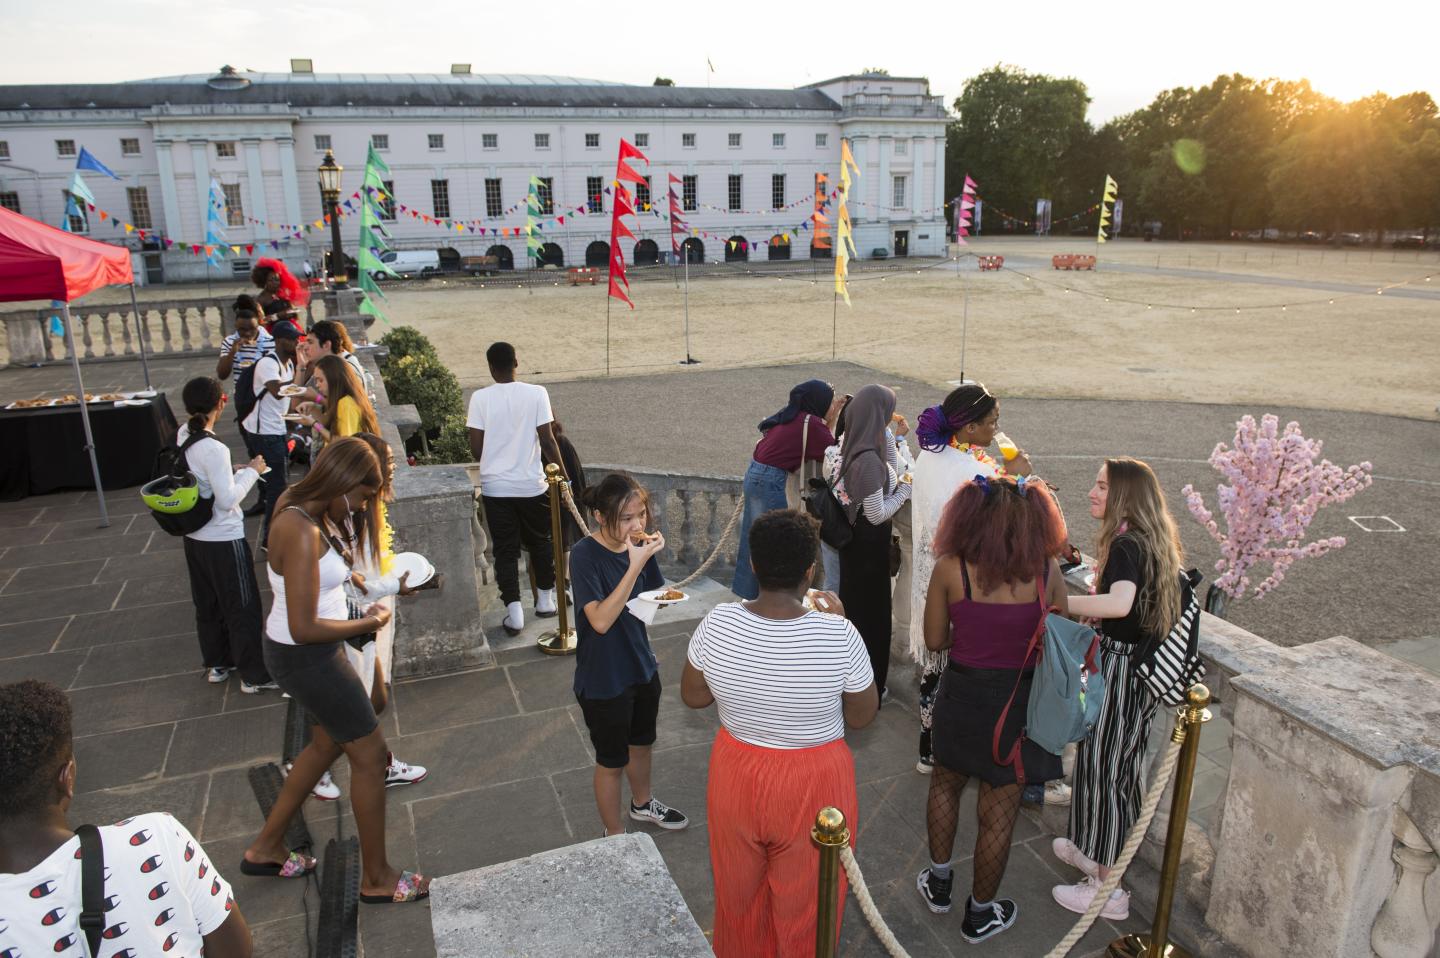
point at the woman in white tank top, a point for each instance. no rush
(304, 650)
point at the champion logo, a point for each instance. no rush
(141, 837)
(116, 930)
(66, 943)
(164, 916)
(150, 864)
(159, 891)
(52, 916)
(124, 821)
(229, 902)
(189, 851)
(215, 886)
(204, 867)
(43, 889)
(10, 953)
(112, 902)
(171, 941)
(126, 953)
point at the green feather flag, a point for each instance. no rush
(372, 245)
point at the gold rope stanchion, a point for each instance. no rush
(831, 835)
(561, 640)
(1156, 943)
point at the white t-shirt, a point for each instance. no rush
(161, 893)
(510, 464)
(247, 355)
(777, 683)
(209, 459)
(264, 419)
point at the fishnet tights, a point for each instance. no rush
(997, 809)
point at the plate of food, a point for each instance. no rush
(418, 566)
(666, 596)
(292, 390)
(105, 397)
(36, 403)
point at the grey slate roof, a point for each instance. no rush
(396, 90)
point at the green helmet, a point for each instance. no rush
(172, 495)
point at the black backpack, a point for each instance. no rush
(245, 397)
(173, 496)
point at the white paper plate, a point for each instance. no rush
(292, 417)
(654, 596)
(419, 567)
(292, 390)
(132, 402)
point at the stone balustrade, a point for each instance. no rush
(691, 512)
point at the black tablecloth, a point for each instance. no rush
(44, 449)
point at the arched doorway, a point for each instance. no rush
(504, 259)
(597, 254)
(737, 249)
(449, 259)
(821, 252)
(694, 250)
(646, 253)
(551, 255)
(779, 247)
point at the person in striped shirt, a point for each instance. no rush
(786, 679)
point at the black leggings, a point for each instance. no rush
(865, 591)
(227, 606)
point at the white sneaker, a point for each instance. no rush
(545, 604)
(217, 676)
(514, 620)
(398, 773)
(1069, 853)
(325, 790)
(1057, 793)
(1077, 898)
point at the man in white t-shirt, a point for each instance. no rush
(161, 893)
(264, 422)
(511, 438)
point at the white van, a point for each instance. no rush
(410, 262)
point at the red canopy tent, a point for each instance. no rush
(42, 262)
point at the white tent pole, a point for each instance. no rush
(84, 414)
(140, 335)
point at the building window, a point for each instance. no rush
(687, 140)
(129, 146)
(10, 201)
(690, 192)
(225, 149)
(902, 147)
(734, 141)
(79, 222)
(381, 141)
(734, 191)
(440, 197)
(387, 205)
(899, 197)
(642, 195)
(4, 149)
(592, 141)
(490, 141)
(777, 191)
(642, 140)
(322, 142)
(546, 194)
(777, 140)
(436, 140)
(494, 207)
(594, 194)
(234, 204)
(542, 141)
(139, 207)
(64, 147)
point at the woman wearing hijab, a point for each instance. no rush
(796, 434)
(869, 487)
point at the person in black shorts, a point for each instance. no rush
(617, 680)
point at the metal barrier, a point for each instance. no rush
(561, 640)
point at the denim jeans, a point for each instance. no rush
(830, 562)
(764, 490)
(277, 457)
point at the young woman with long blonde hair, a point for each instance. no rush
(1137, 598)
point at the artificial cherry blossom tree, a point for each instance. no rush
(1273, 490)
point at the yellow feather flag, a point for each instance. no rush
(1107, 197)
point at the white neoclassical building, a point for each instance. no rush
(462, 148)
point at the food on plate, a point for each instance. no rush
(106, 397)
(641, 538)
(29, 404)
(669, 595)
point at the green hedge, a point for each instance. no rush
(405, 341)
(452, 445)
(414, 374)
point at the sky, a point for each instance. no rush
(1125, 52)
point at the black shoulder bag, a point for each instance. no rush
(92, 886)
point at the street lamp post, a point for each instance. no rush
(330, 193)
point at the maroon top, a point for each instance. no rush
(780, 446)
(993, 635)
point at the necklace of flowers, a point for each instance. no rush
(978, 452)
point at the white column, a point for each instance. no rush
(939, 193)
(256, 174)
(885, 145)
(919, 195)
(169, 197)
(288, 181)
(200, 163)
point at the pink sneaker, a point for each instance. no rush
(1069, 853)
(1077, 898)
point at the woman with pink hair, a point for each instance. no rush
(280, 293)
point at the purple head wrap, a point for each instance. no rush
(934, 428)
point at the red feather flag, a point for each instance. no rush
(624, 206)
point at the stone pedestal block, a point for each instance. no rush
(343, 306)
(26, 342)
(1326, 749)
(610, 896)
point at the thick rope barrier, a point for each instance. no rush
(704, 566)
(1127, 853)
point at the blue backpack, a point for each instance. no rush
(1067, 691)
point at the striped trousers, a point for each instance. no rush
(227, 606)
(1109, 776)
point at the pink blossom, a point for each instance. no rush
(1274, 489)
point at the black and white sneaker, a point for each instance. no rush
(935, 890)
(988, 921)
(657, 813)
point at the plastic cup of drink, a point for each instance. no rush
(1006, 445)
